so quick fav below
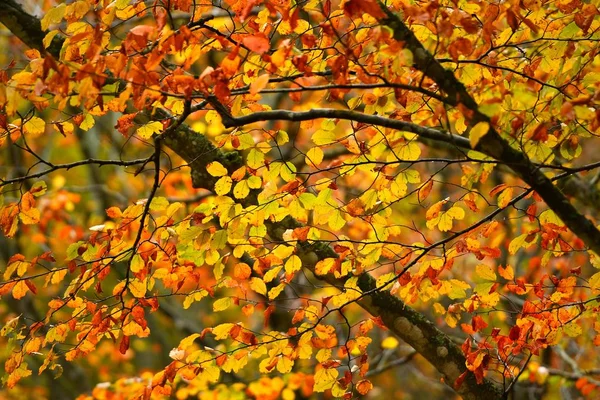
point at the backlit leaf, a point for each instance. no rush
(215, 168)
(151, 128)
(477, 132)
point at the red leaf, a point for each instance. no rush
(124, 346)
(478, 323)
(31, 286)
(356, 8)
(514, 333)
(459, 381)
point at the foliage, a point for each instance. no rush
(273, 199)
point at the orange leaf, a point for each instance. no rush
(258, 43)
(259, 84)
(20, 290)
(242, 271)
(425, 190)
(364, 386)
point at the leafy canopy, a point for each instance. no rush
(257, 198)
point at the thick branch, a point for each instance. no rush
(24, 26)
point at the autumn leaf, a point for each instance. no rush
(301, 180)
(355, 8)
(257, 43)
(35, 126)
(477, 132)
(151, 128)
(259, 84)
(222, 304)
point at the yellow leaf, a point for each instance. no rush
(338, 390)
(572, 329)
(258, 286)
(137, 263)
(223, 185)
(88, 122)
(325, 378)
(409, 152)
(222, 331)
(193, 297)
(138, 287)
(241, 189)
(274, 292)
(35, 126)
(53, 16)
(272, 274)
(210, 373)
(595, 281)
(222, 304)
(17, 374)
(477, 132)
(48, 38)
(281, 137)
(322, 137)
(324, 266)
(284, 364)
(314, 156)
(505, 197)
(188, 341)
(439, 309)
(215, 168)
(255, 159)
(77, 9)
(507, 273)
(385, 279)
(457, 289)
(254, 182)
(159, 204)
(485, 272)
(446, 218)
(456, 212)
(293, 264)
(151, 128)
